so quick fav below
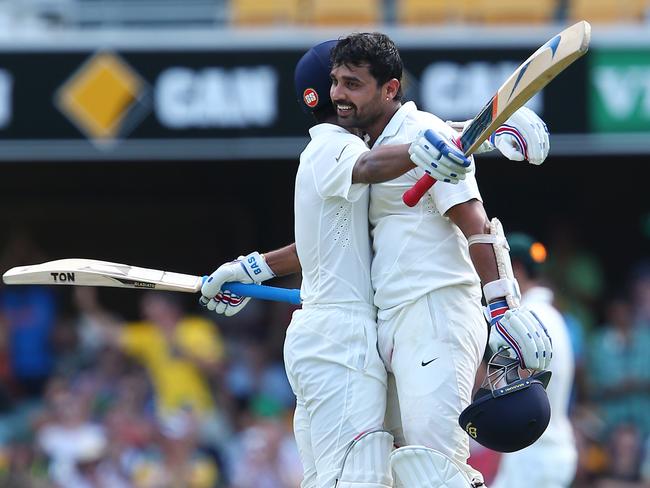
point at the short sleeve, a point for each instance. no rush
(332, 169)
(446, 195)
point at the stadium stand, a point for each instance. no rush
(509, 11)
(254, 12)
(608, 11)
(345, 12)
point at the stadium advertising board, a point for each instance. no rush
(619, 90)
(222, 104)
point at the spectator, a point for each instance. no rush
(181, 355)
(75, 446)
(641, 293)
(624, 459)
(619, 368)
(28, 315)
(267, 457)
(174, 460)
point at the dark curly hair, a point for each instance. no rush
(374, 49)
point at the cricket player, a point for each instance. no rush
(551, 461)
(431, 329)
(330, 350)
(228, 304)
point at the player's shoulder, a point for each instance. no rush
(329, 140)
(421, 120)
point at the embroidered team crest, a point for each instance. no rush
(310, 97)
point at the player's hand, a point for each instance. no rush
(245, 269)
(439, 157)
(523, 335)
(523, 136)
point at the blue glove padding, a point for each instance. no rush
(439, 157)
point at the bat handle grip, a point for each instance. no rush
(273, 293)
(413, 195)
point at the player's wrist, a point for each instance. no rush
(256, 268)
(503, 287)
(497, 309)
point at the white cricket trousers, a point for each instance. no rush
(432, 348)
(331, 359)
(538, 466)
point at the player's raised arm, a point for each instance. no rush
(252, 268)
(511, 326)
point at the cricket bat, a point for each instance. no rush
(91, 272)
(529, 78)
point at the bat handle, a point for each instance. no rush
(262, 292)
(413, 195)
(274, 293)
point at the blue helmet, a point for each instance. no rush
(510, 411)
(312, 77)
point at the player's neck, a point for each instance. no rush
(374, 130)
(331, 119)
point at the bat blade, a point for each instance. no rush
(529, 78)
(91, 272)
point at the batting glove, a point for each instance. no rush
(523, 136)
(245, 269)
(439, 158)
(522, 333)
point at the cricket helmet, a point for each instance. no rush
(511, 409)
(312, 77)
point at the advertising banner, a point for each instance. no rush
(225, 104)
(619, 90)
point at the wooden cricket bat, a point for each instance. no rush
(529, 78)
(91, 272)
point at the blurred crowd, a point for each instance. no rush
(174, 397)
(167, 399)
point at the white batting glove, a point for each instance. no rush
(439, 157)
(523, 136)
(245, 269)
(522, 334)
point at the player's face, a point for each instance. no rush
(356, 96)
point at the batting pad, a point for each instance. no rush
(366, 463)
(421, 467)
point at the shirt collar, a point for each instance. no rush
(326, 128)
(396, 121)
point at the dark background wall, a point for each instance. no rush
(190, 216)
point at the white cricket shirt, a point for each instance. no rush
(417, 250)
(331, 220)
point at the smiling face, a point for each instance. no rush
(356, 96)
(360, 101)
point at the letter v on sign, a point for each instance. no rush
(620, 90)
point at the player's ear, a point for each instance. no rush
(391, 88)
